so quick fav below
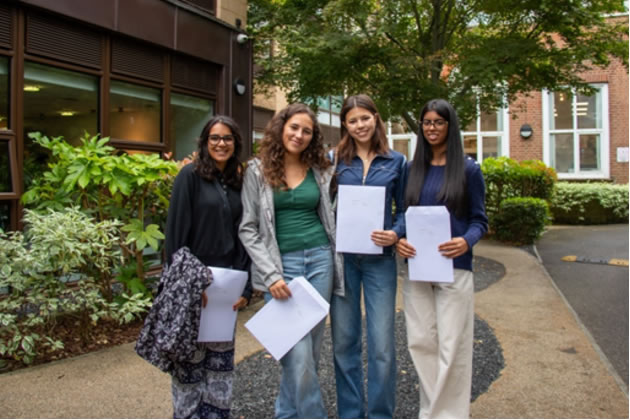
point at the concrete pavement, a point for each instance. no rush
(551, 367)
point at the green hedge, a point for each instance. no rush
(507, 178)
(590, 203)
(522, 220)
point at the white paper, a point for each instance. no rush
(280, 324)
(427, 228)
(218, 319)
(360, 211)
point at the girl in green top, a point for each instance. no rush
(288, 230)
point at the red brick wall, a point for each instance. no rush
(528, 109)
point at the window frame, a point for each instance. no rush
(603, 132)
(504, 134)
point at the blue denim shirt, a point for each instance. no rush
(388, 170)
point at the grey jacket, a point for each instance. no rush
(258, 227)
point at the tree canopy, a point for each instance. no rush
(406, 52)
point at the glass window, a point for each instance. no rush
(328, 108)
(135, 112)
(4, 93)
(562, 145)
(487, 135)
(57, 102)
(5, 213)
(189, 114)
(491, 146)
(562, 111)
(6, 184)
(576, 137)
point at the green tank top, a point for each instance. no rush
(297, 223)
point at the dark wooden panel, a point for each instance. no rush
(241, 69)
(100, 12)
(206, 5)
(6, 26)
(190, 73)
(202, 38)
(51, 37)
(150, 20)
(136, 59)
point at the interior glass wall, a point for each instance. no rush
(189, 115)
(57, 102)
(135, 112)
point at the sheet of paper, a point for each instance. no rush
(280, 324)
(360, 210)
(218, 319)
(427, 228)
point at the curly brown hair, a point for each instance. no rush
(347, 149)
(272, 148)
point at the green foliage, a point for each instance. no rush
(402, 52)
(522, 220)
(60, 266)
(133, 188)
(507, 178)
(590, 203)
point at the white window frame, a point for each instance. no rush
(504, 134)
(603, 132)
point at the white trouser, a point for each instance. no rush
(440, 322)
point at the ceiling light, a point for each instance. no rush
(67, 113)
(31, 88)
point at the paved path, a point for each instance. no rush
(551, 368)
(596, 291)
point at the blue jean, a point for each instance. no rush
(300, 395)
(377, 275)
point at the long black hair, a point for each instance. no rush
(453, 191)
(207, 168)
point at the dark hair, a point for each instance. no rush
(207, 168)
(272, 148)
(453, 191)
(347, 149)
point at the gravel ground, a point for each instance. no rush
(258, 377)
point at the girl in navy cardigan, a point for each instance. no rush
(439, 316)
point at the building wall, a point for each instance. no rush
(528, 110)
(230, 10)
(175, 48)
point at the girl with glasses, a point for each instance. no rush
(439, 316)
(204, 215)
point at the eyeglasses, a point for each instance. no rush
(215, 139)
(434, 123)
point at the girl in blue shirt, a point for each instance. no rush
(364, 158)
(439, 316)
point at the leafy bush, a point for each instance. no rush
(507, 178)
(590, 203)
(522, 220)
(134, 189)
(61, 265)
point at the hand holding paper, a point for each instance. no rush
(218, 317)
(428, 227)
(280, 324)
(360, 211)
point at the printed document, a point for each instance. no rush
(218, 319)
(280, 324)
(427, 228)
(360, 210)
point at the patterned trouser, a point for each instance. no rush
(202, 387)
